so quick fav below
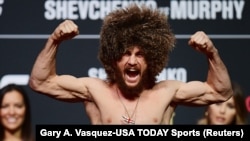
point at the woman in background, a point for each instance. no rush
(231, 112)
(15, 114)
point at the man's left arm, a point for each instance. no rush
(218, 78)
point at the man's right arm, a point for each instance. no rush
(43, 77)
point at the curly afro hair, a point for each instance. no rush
(136, 25)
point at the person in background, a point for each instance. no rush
(230, 112)
(15, 114)
(135, 43)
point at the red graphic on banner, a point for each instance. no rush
(248, 103)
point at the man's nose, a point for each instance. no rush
(132, 60)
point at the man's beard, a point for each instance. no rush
(131, 92)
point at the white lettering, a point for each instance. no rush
(153, 132)
(173, 74)
(44, 132)
(206, 9)
(79, 9)
(216, 8)
(97, 73)
(72, 10)
(93, 12)
(66, 133)
(1, 9)
(166, 74)
(239, 5)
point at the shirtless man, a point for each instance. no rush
(135, 43)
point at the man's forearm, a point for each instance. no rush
(218, 76)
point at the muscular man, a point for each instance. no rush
(135, 43)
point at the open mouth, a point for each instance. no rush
(11, 120)
(132, 74)
(220, 119)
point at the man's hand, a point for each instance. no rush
(66, 30)
(201, 42)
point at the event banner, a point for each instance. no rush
(160, 132)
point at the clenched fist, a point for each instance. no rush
(201, 42)
(65, 30)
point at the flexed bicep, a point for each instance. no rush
(195, 93)
(66, 88)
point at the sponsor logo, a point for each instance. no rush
(20, 79)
